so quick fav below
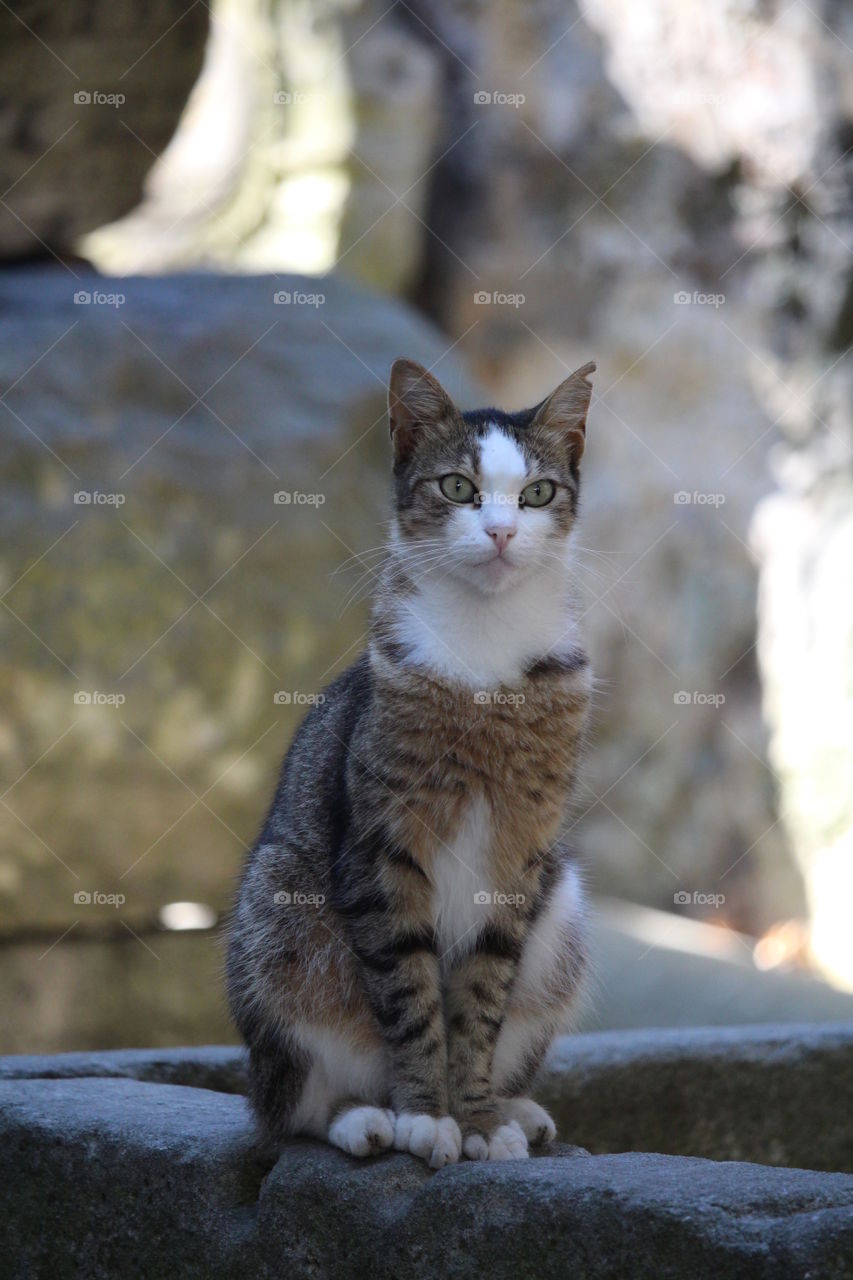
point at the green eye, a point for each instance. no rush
(457, 488)
(538, 494)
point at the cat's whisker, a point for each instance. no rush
(364, 585)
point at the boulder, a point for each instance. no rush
(186, 465)
(775, 1095)
(92, 95)
(109, 1172)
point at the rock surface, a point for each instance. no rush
(148, 630)
(92, 95)
(127, 1176)
(760, 96)
(777, 1095)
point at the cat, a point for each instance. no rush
(409, 935)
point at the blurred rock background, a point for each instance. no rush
(507, 190)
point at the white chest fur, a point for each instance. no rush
(486, 641)
(462, 881)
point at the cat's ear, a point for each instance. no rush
(416, 400)
(565, 410)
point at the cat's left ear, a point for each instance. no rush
(565, 410)
(416, 400)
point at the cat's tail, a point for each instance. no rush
(278, 1065)
(278, 1071)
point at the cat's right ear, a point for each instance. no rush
(416, 401)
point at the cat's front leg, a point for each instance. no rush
(477, 987)
(401, 975)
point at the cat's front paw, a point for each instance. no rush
(438, 1141)
(362, 1131)
(533, 1120)
(507, 1142)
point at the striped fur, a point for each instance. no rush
(408, 936)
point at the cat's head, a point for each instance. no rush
(483, 496)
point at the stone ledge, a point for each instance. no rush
(120, 1177)
(145, 1163)
(778, 1095)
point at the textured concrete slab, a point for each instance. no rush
(139, 1164)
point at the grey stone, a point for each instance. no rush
(776, 1095)
(651, 969)
(221, 1068)
(157, 799)
(695, 81)
(116, 1177)
(70, 163)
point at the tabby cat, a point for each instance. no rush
(408, 937)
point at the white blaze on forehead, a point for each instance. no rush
(502, 464)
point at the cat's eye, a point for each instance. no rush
(457, 488)
(538, 494)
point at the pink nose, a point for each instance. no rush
(501, 538)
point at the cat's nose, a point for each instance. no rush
(500, 537)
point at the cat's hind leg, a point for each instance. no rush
(279, 1070)
(362, 1130)
(345, 1096)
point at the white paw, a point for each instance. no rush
(439, 1142)
(506, 1143)
(362, 1131)
(534, 1121)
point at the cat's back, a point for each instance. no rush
(310, 800)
